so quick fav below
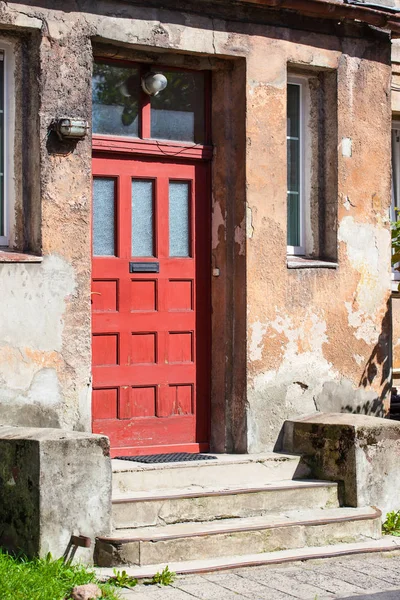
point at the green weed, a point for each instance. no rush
(122, 579)
(392, 524)
(166, 577)
(44, 579)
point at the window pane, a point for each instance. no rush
(115, 98)
(293, 158)
(103, 217)
(293, 227)
(177, 113)
(293, 110)
(179, 224)
(142, 218)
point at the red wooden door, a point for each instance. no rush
(151, 305)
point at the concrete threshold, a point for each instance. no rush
(119, 466)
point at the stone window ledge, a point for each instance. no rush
(9, 256)
(300, 262)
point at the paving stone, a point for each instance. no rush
(207, 591)
(327, 584)
(249, 588)
(283, 583)
(366, 583)
(375, 569)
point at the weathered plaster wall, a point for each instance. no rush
(316, 338)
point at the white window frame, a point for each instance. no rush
(395, 191)
(8, 51)
(302, 83)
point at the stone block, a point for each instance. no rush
(360, 452)
(53, 484)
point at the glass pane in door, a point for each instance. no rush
(179, 219)
(142, 217)
(103, 216)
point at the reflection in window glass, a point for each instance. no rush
(103, 216)
(115, 98)
(177, 113)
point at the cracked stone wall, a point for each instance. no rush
(317, 338)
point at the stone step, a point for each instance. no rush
(164, 507)
(385, 544)
(198, 541)
(227, 469)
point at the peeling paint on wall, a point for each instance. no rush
(218, 225)
(257, 340)
(367, 246)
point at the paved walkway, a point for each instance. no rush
(365, 577)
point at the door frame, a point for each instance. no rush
(226, 156)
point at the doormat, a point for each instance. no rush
(167, 458)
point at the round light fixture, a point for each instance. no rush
(153, 83)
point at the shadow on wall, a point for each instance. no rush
(340, 396)
(380, 359)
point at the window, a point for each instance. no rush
(295, 160)
(4, 159)
(312, 167)
(394, 215)
(121, 108)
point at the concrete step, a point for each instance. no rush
(199, 541)
(227, 469)
(164, 507)
(385, 544)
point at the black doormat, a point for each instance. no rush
(166, 458)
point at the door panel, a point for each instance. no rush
(151, 305)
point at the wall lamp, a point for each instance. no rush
(153, 83)
(71, 129)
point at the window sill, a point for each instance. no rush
(300, 262)
(9, 256)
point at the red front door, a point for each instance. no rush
(151, 304)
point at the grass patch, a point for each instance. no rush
(44, 579)
(392, 524)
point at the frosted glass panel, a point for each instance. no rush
(179, 228)
(115, 98)
(142, 218)
(103, 217)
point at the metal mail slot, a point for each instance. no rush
(144, 267)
